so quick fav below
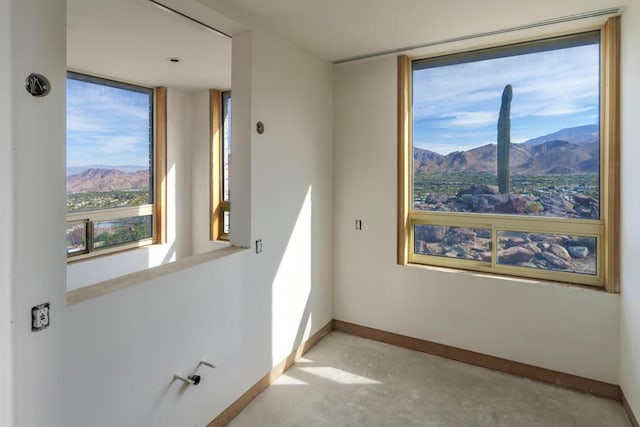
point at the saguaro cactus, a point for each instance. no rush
(504, 140)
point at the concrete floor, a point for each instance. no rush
(350, 381)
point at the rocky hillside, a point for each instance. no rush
(100, 180)
(550, 157)
(568, 151)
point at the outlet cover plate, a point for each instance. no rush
(40, 317)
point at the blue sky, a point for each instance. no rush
(456, 107)
(106, 126)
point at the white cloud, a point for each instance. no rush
(544, 84)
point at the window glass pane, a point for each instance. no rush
(76, 238)
(575, 254)
(119, 231)
(453, 242)
(510, 131)
(226, 144)
(109, 144)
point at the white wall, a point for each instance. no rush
(6, 219)
(568, 329)
(37, 180)
(110, 360)
(630, 234)
(291, 185)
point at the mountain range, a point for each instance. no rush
(578, 134)
(75, 170)
(567, 151)
(103, 179)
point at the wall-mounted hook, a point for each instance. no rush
(190, 380)
(205, 363)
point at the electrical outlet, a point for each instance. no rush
(259, 246)
(358, 224)
(40, 317)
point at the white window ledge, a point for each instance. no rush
(102, 288)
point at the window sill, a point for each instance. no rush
(505, 278)
(77, 296)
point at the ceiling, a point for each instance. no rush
(132, 40)
(340, 29)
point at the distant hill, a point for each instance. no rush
(75, 170)
(579, 135)
(101, 179)
(573, 151)
(551, 157)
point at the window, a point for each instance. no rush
(220, 103)
(115, 165)
(508, 159)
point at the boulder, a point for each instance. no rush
(513, 205)
(430, 233)
(578, 251)
(515, 255)
(582, 199)
(459, 235)
(555, 261)
(560, 252)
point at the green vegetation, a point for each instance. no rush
(107, 199)
(504, 141)
(122, 231)
(450, 183)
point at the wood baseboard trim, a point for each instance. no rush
(597, 388)
(236, 407)
(630, 414)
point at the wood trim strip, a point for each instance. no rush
(404, 164)
(160, 164)
(597, 388)
(610, 150)
(236, 407)
(630, 414)
(215, 150)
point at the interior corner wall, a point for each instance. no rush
(6, 214)
(563, 328)
(243, 312)
(630, 206)
(292, 185)
(110, 360)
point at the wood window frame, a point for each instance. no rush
(159, 181)
(218, 206)
(607, 276)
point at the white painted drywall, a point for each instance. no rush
(291, 184)
(568, 329)
(110, 361)
(6, 219)
(37, 180)
(630, 201)
(241, 132)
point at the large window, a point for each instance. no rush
(220, 108)
(115, 154)
(507, 159)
